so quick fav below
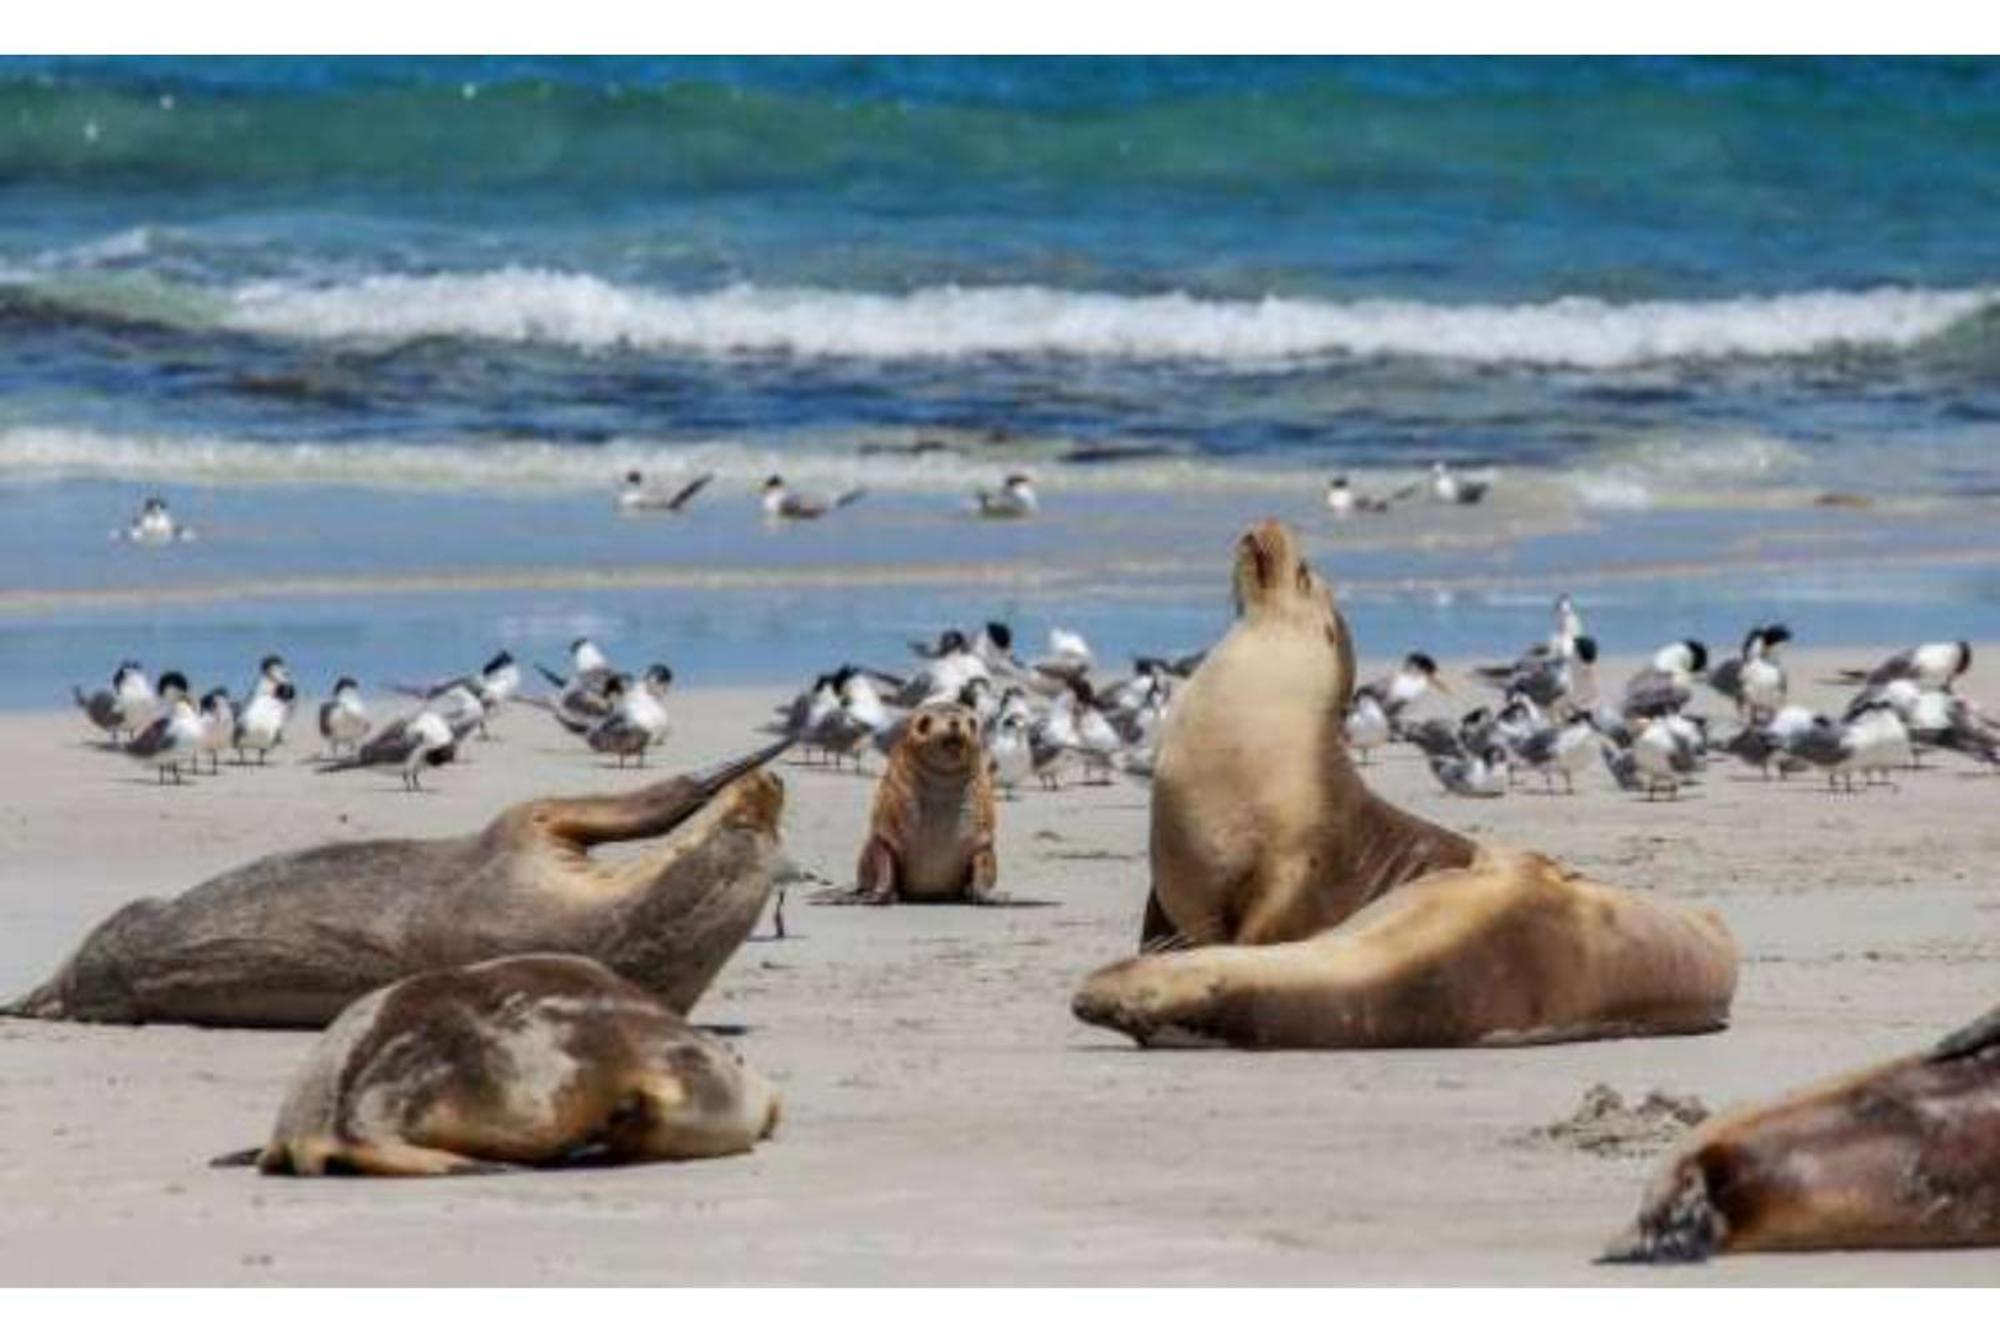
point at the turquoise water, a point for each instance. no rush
(400, 324)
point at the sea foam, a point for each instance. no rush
(953, 323)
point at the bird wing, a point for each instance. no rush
(689, 491)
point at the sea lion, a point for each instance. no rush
(931, 834)
(1899, 1156)
(289, 941)
(521, 1061)
(1293, 908)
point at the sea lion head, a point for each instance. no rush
(1274, 583)
(944, 738)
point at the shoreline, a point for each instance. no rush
(947, 1121)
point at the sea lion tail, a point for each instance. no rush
(44, 1003)
(244, 1157)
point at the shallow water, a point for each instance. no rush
(387, 332)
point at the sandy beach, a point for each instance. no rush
(946, 1120)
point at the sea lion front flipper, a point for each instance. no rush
(985, 875)
(1156, 932)
(875, 873)
(654, 810)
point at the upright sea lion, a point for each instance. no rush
(290, 940)
(931, 834)
(1293, 908)
(1902, 1155)
(520, 1061)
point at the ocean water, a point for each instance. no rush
(387, 332)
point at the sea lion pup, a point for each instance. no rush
(290, 940)
(931, 834)
(1899, 1156)
(1293, 908)
(522, 1061)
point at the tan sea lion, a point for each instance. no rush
(291, 940)
(1899, 1156)
(931, 834)
(1293, 908)
(523, 1061)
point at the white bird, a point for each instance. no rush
(1667, 753)
(123, 707)
(1477, 776)
(638, 720)
(1449, 488)
(260, 724)
(173, 739)
(1367, 724)
(218, 726)
(635, 496)
(1008, 749)
(1666, 684)
(404, 747)
(1343, 501)
(781, 502)
(1403, 688)
(1877, 742)
(1562, 749)
(1754, 681)
(1014, 499)
(1931, 666)
(154, 525)
(343, 717)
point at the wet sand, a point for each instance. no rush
(947, 1120)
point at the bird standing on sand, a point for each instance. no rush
(1754, 681)
(124, 706)
(1563, 749)
(260, 724)
(781, 503)
(1367, 724)
(173, 739)
(218, 726)
(404, 747)
(635, 496)
(343, 718)
(1014, 499)
(1665, 685)
(1480, 776)
(1667, 753)
(638, 719)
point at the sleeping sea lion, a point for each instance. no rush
(1293, 908)
(1902, 1155)
(289, 941)
(523, 1061)
(931, 834)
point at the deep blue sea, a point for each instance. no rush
(388, 331)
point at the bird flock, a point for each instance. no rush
(1657, 734)
(1050, 719)
(615, 714)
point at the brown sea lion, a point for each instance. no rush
(931, 834)
(289, 941)
(523, 1061)
(1902, 1155)
(1293, 908)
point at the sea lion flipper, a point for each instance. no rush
(607, 818)
(1969, 1039)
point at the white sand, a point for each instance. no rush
(947, 1120)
